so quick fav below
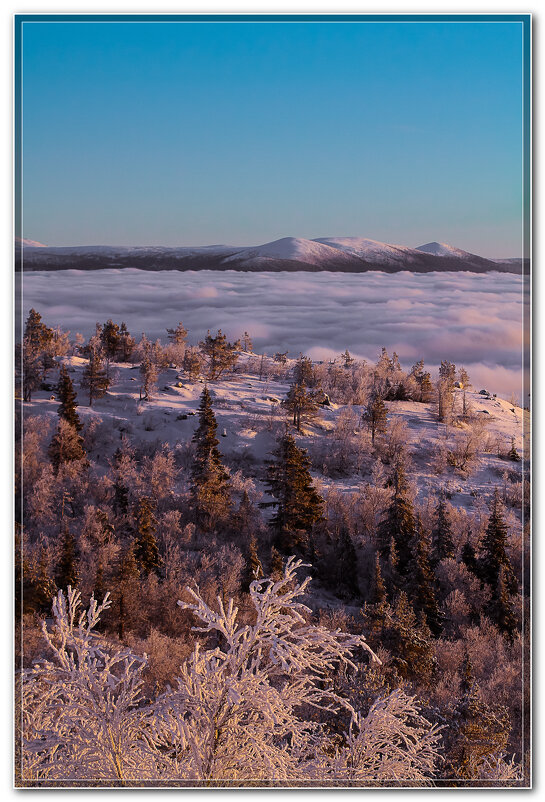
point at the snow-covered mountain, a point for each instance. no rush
(338, 254)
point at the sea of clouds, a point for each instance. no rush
(471, 319)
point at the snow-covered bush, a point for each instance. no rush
(241, 710)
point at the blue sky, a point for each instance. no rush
(205, 132)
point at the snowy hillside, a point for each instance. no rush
(250, 417)
(337, 254)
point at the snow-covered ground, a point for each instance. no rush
(470, 319)
(249, 419)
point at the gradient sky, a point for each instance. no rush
(190, 133)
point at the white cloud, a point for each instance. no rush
(471, 319)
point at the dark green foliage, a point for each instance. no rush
(399, 523)
(346, 581)
(303, 372)
(407, 638)
(111, 340)
(476, 730)
(210, 488)
(375, 416)
(469, 557)
(66, 445)
(442, 538)
(301, 403)
(94, 376)
(493, 551)
(500, 608)
(221, 354)
(276, 569)
(420, 580)
(67, 397)
(67, 572)
(298, 505)
(378, 595)
(254, 569)
(37, 334)
(126, 344)
(513, 454)
(146, 551)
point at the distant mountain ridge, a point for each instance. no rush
(337, 254)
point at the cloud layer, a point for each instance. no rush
(467, 318)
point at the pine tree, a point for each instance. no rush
(493, 551)
(247, 342)
(500, 608)
(348, 360)
(94, 376)
(192, 363)
(378, 595)
(67, 572)
(421, 580)
(442, 538)
(476, 730)
(177, 335)
(375, 416)
(298, 505)
(409, 639)
(67, 397)
(31, 368)
(303, 372)
(221, 354)
(146, 551)
(513, 454)
(469, 557)
(111, 341)
(210, 488)
(253, 569)
(346, 584)
(37, 334)
(301, 403)
(276, 564)
(126, 344)
(399, 522)
(66, 445)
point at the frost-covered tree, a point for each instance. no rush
(221, 355)
(442, 537)
(301, 403)
(146, 551)
(245, 711)
(375, 416)
(66, 446)
(127, 344)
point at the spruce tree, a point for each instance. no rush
(378, 595)
(476, 730)
(210, 488)
(253, 569)
(301, 403)
(346, 584)
(67, 397)
(399, 522)
(420, 581)
(94, 376)
(442, 538)
(513, 454)
(298, 505)
(493, 551)
(221, 354)
(126, 344)
(276, 569)
(37, 334)
(146, 551)
(111, 340)
(67, 572)
(500, 608)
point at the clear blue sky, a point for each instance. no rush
(201, 133)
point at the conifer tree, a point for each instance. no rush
(192, 363)
(421, 580)
(126, 344)
(67, 572)
(500, 608)
(375, 416)
(346, 584)
(31, 367)
(146, 551)
(469, 557)
(399, 522)
(210, 488)
(301, 403)
(378, 595)
(276, 564)
(493, 551)
(247, 342)
(66, 445)
(442, 539)
(37, 334)
(94, 376)
(253, 569)
(111, 340)
(125, 588)
(513, 454)
(177, 335)
(348, 360)
(67, 396)
(298, 505)
(303, 372)
(476, 730)
(222, 355)
(409, 640)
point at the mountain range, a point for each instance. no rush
(337, 254)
